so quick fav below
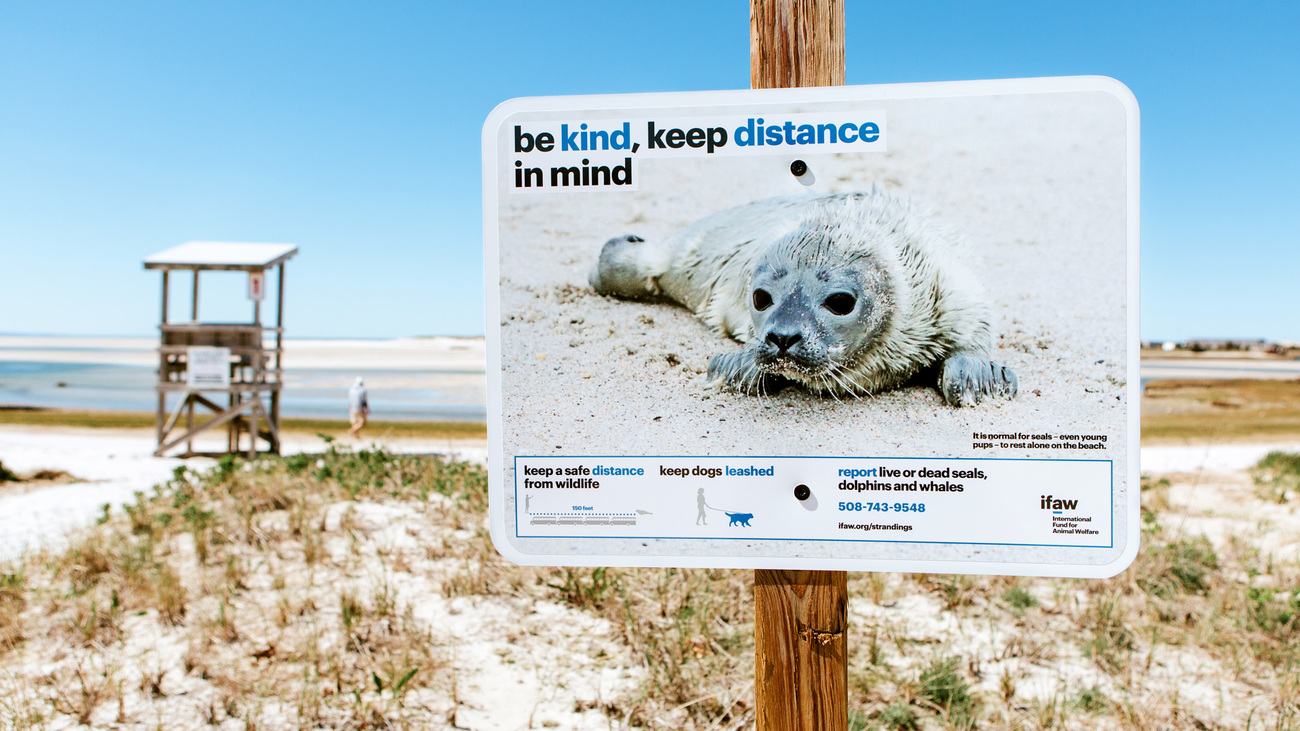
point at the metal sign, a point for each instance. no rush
(207, 367)
(257, 285)
(869, 328)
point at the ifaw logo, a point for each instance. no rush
(1047, 502)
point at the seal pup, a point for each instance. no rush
(845, 294)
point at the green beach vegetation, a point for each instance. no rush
(305, 591)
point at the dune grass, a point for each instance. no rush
(231, 561)
(1179, 410)
(289, 607)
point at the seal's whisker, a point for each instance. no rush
(831, 376)
(835, 372)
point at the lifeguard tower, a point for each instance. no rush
(225, 368)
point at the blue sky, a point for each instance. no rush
(352, 130)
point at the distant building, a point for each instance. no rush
(1203, 345)
(1166, 345)
(1261, 345)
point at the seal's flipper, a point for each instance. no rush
(965, 380)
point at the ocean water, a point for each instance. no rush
(310, 393)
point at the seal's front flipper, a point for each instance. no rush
(736, 369)
(966, 380)
(739, 371)
(626, 268)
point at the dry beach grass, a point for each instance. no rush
(360, 590)
(1220, 410)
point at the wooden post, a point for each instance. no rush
(279, 355)
(194, 304)
(800, 617)
(164, 298)
(162, 364)
(252, 431)
(801, 650)
(796, 43)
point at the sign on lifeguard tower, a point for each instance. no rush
(257, 286)
(208, 367)
(221, 377)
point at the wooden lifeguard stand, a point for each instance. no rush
(203, 364)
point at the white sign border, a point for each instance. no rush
(882, 92)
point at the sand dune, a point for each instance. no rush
(111, 467)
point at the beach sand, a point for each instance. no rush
(110, 465)
(430, 354)
(519, 661)
(512, 662)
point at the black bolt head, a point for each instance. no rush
(798, 168)
(801, 492)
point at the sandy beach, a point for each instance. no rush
(1217, 368)
(432, 354)
(521, 658)
(496, 682)
(419, 379)
(110, 466)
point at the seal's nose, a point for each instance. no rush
(783, 341)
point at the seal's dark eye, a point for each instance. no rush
(762, 300)
(840, 303)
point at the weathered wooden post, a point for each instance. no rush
(796, 43)
(801, 617)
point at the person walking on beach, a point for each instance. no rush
(358, 407)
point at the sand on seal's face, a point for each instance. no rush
(1044, 215)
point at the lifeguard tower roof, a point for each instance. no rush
(221, 255)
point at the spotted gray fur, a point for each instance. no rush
(845, 294)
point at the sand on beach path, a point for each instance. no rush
(110, 466)
(1213, 458)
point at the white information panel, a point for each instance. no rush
(867, 328)
(891, 500)
(207, 367)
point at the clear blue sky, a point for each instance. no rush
(352, 129)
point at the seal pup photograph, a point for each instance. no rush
(846, 295)
(998, 206)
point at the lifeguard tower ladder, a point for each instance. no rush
(203, 364)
